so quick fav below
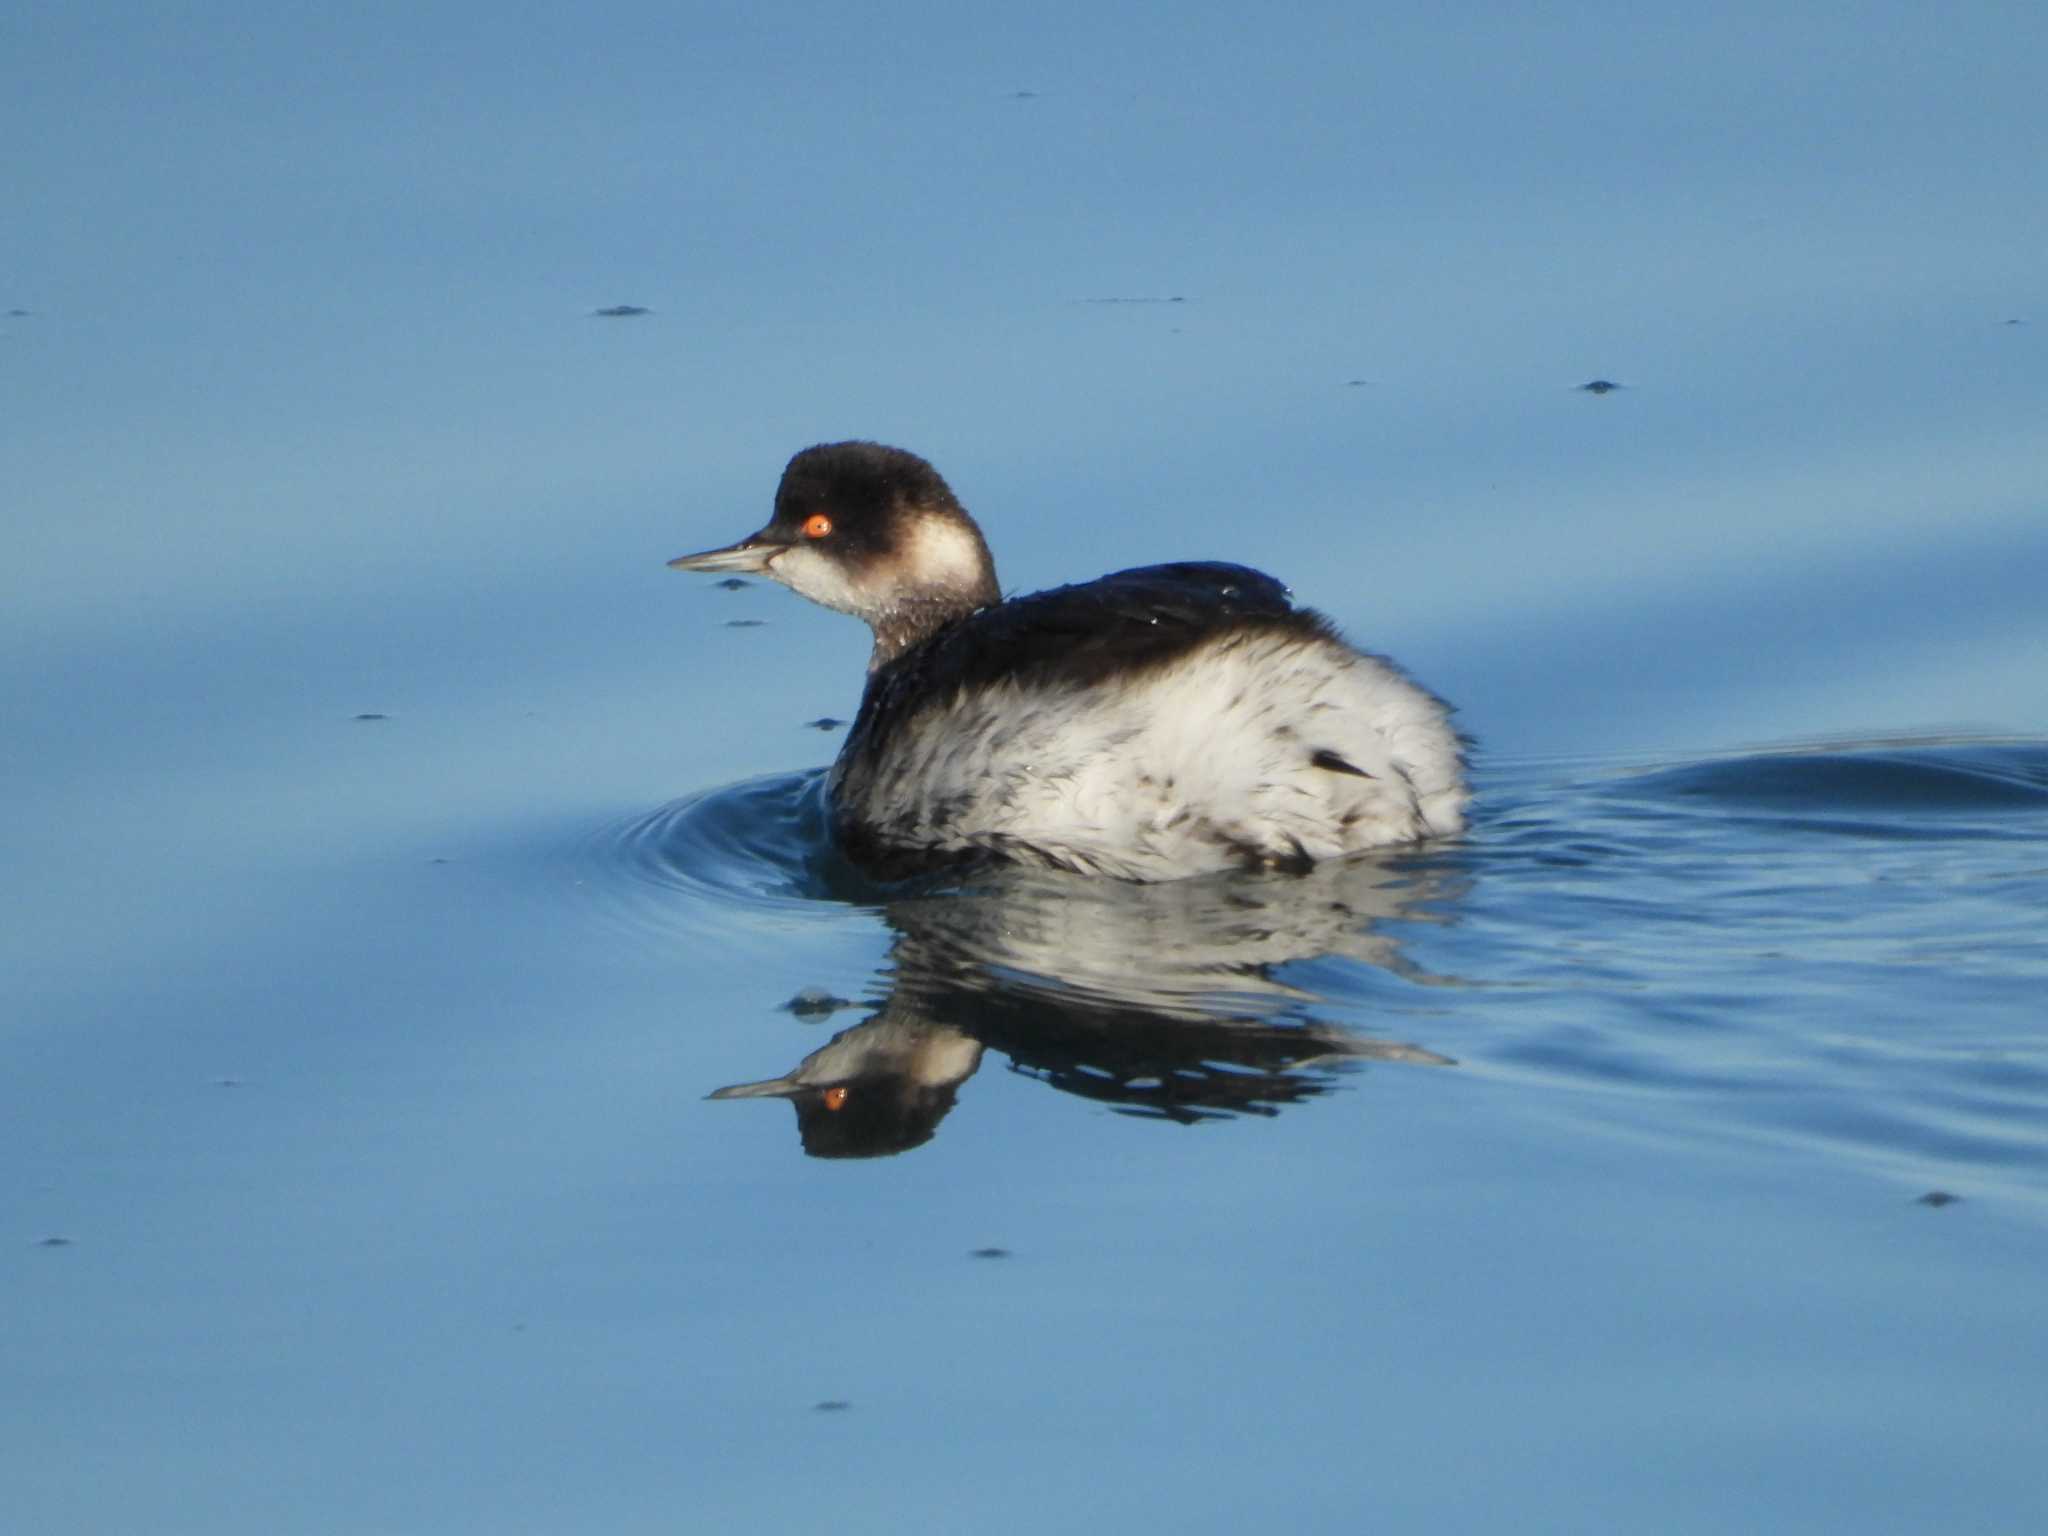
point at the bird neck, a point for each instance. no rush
(904, 626)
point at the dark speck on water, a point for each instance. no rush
(1600, 386)
(732, 584)
(831, 1405)
(373, 717)
(1356, 383)
(54, 1242)
(1938, 1198)
(744, 623)
(621, 312)
(989, 1253)
(823, 723)
(815, 1003)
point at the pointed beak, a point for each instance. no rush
(774, 1088)
(752, 553)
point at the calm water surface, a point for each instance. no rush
(450, 1085)
(1681, 1126)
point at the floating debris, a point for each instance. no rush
(1937, 1198)
(823, 723)
(1023, 95)
(55, 1242)
(227, 1082)
(620, 312)
(744, 623)
(1356, 383)
(23, 314)
(731, 584)
(373, 717)
(989, 1253)
(1601, 386)
(1172, 299)
(815, 1003)
(831, 1405)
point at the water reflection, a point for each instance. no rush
(1159, 1000)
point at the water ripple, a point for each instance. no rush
(1935, 778)
(1837, 946)
(763, 844)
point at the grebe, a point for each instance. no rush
(1156, 723)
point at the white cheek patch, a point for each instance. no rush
(943, 556)
(936, 559)
(816, 575)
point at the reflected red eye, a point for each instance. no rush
(834, 1097)
(816, 526)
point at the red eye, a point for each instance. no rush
(816, 526)
(834, 1097)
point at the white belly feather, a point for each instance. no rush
(1207, 763)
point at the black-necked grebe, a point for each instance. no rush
(1156, 723)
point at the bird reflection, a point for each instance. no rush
(1159, 1000)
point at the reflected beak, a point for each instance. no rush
(752, 553)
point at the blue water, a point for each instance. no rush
(398, 860)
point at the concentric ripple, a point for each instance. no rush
(764, 842)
